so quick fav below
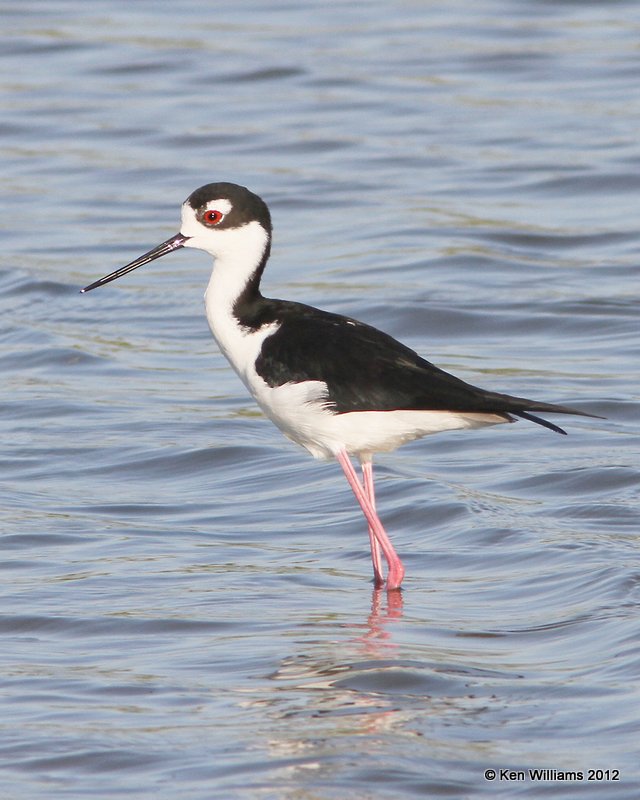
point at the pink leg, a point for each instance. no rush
(396, 569)
(367, 475)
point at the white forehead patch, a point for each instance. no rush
(190, 224)
(222, 205)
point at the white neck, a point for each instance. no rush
(237, 254)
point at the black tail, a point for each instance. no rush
(526, 406)
(539, 421)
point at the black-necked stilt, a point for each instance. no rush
(334, 385)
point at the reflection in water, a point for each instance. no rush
(357, 697)
(370, 649)
(319, 685)
(377, 636)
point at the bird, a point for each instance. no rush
(340, 388)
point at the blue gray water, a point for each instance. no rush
(186, 599)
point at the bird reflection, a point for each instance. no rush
(386, 608)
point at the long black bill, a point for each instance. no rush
(175, 243)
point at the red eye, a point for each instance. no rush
(212, 217)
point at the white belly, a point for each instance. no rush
(300, 413)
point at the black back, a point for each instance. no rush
(364, 368)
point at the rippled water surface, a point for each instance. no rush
(187, 608)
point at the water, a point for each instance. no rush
(186, 601)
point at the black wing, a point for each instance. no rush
(368, 370)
